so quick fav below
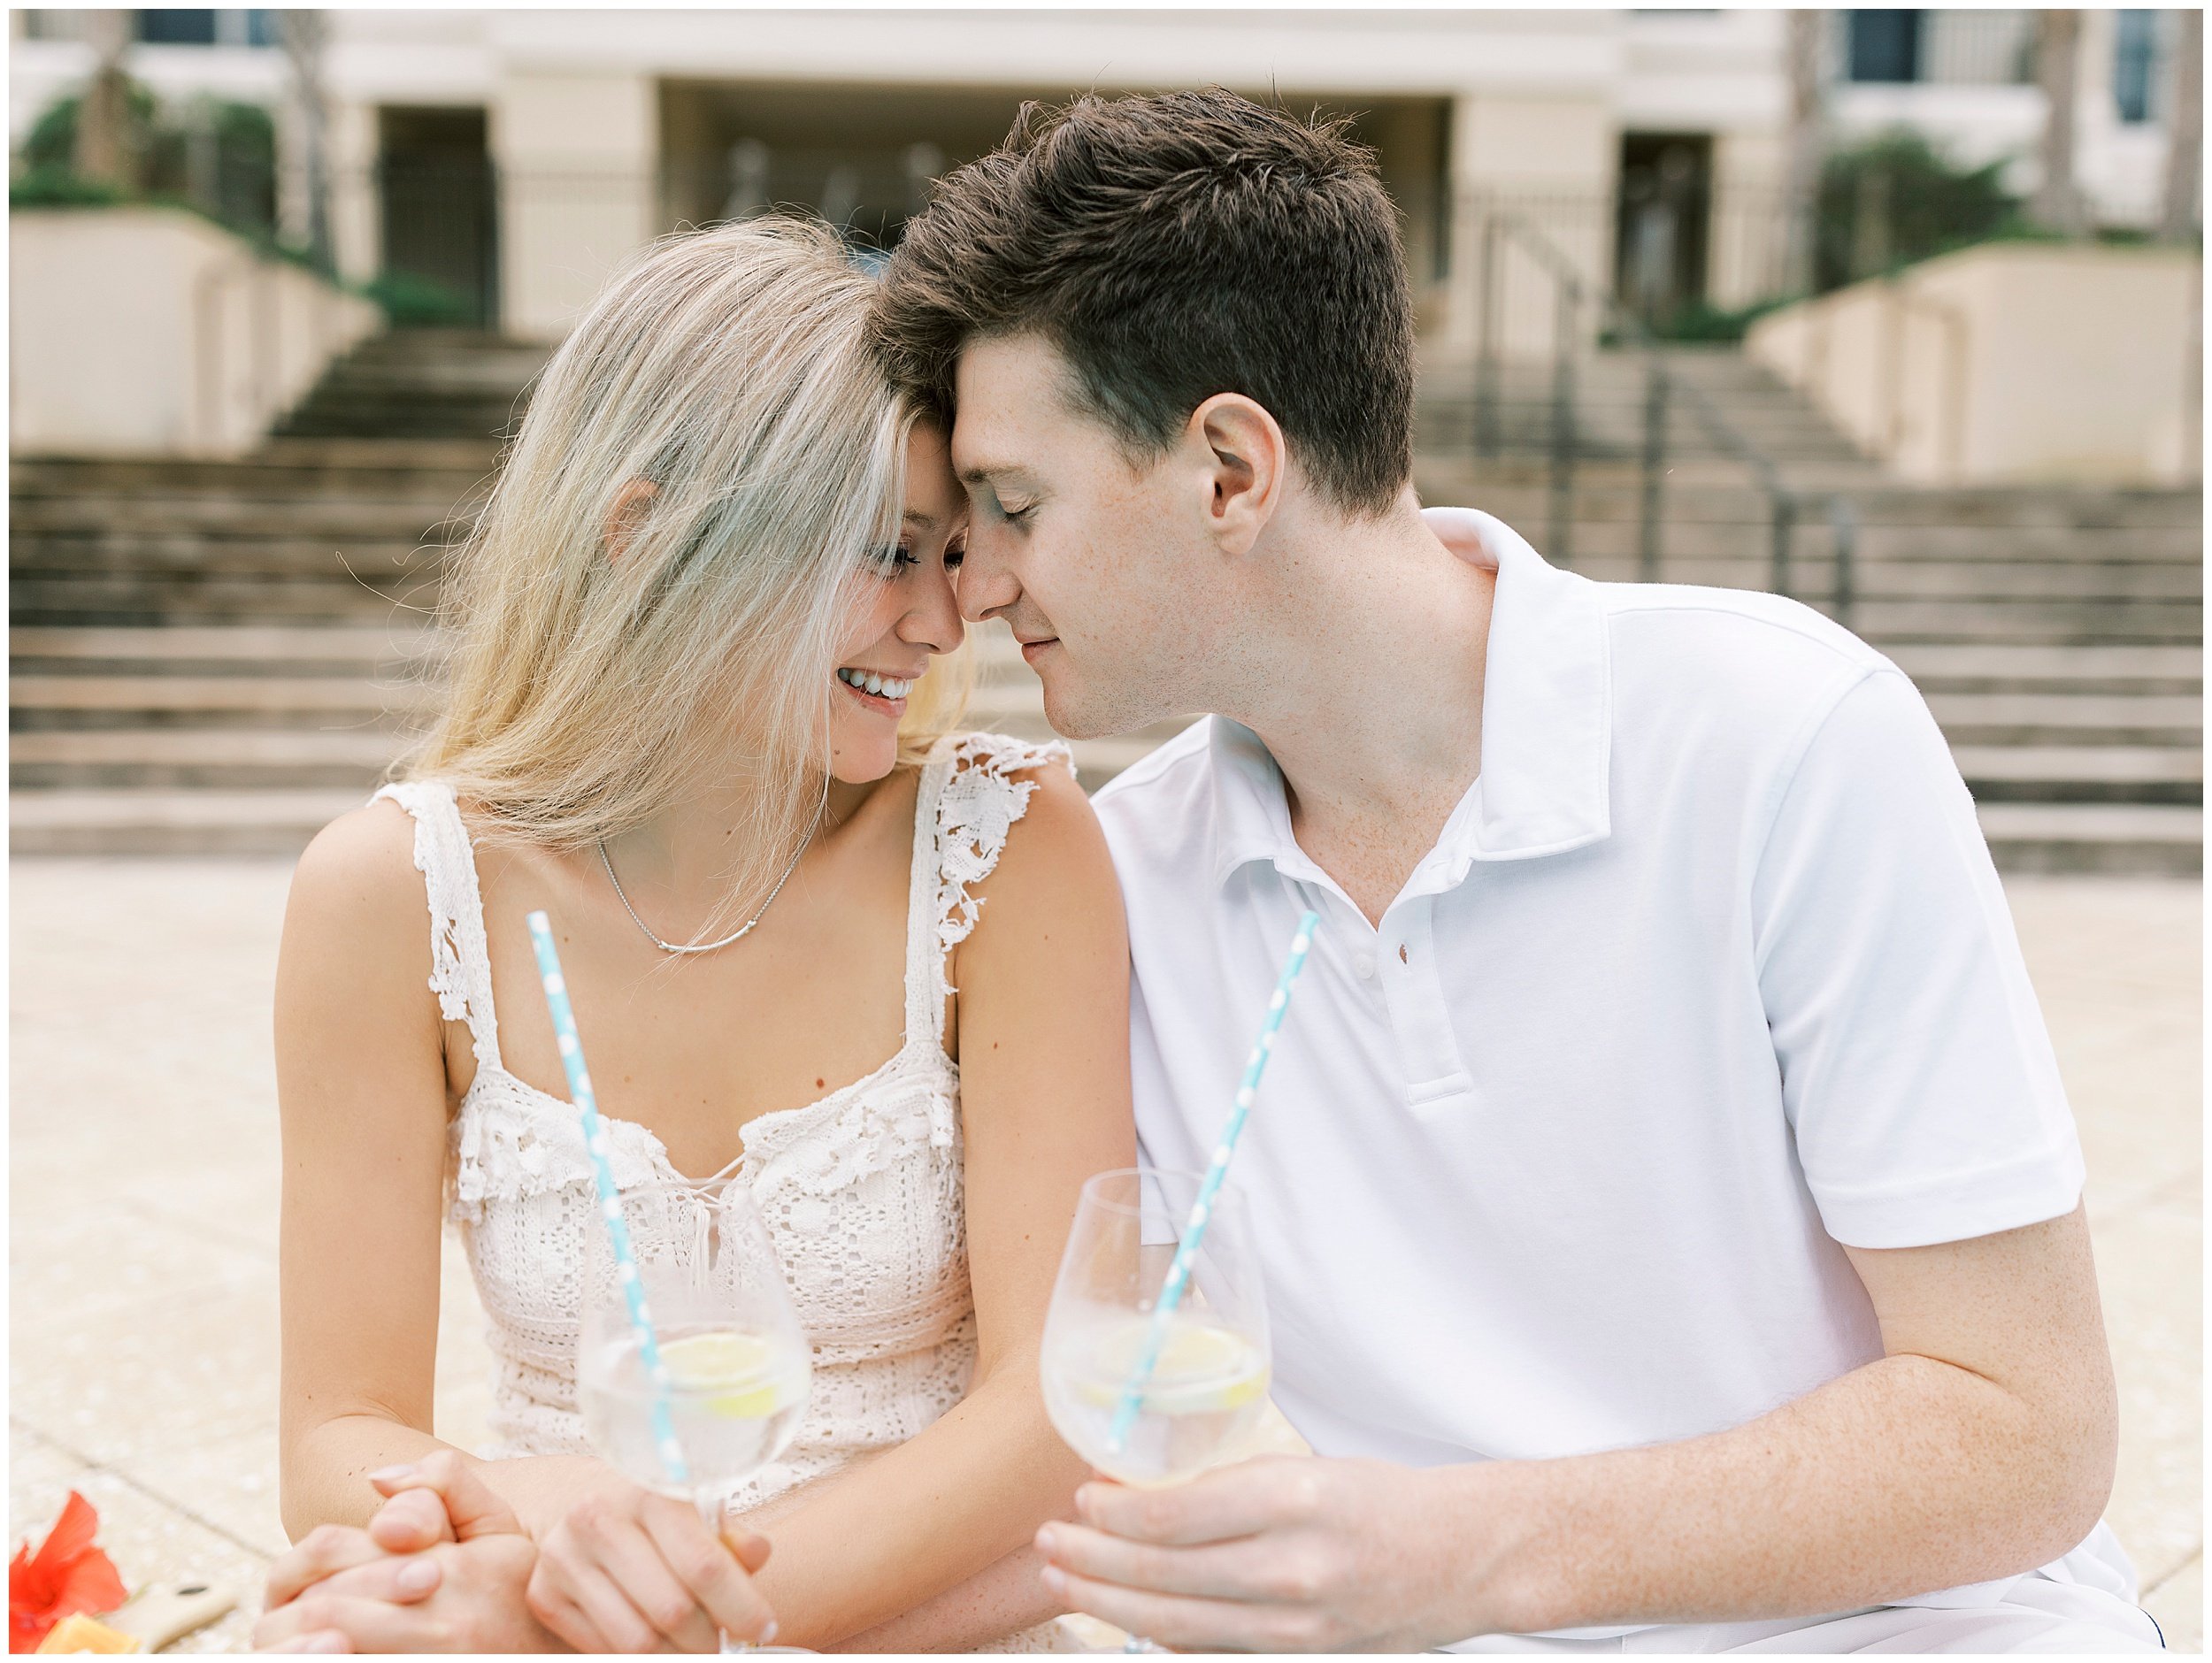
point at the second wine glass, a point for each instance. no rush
(1208, 1387)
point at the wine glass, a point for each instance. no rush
(737, 1364)
(1208, 1388)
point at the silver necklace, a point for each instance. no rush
(739, 934)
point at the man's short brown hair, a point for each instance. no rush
(1173, 247)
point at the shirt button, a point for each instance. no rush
(1365, 965)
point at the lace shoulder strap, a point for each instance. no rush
(968, 802)
(460, 959)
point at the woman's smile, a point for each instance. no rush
(874, 691)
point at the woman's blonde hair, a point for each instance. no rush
(655, 590)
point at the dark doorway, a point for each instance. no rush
(1885, 44)
(1664, 224)
(864, 156)
(441, 217)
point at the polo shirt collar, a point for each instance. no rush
(1546, 726)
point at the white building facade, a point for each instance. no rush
(515, 157)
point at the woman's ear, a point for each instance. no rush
(632, 504)
(1249, 463)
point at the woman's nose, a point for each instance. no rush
(934, 620)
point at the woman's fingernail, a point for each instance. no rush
(1046, 1541)
(393, 1474)
(418, 1578)
(768, 1634)
(1055, 1580)
(326, 1641)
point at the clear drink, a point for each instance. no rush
(734, 1406)
(1208, 1388)
(738, 1364)
(1205, 1396)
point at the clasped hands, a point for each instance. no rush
(447, 1565)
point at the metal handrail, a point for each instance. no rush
(1570, 293)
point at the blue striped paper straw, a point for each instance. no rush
(1195, 1231)
(626, 1270)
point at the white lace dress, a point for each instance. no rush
(862, 1190)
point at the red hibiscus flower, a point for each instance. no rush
(67, 1575)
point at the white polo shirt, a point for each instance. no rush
(1709, 972)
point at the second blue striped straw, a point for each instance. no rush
(625, 1268)
(1194, 1230)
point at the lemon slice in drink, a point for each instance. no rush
(1201, 1369)
(733, 1371)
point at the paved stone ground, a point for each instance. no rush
(143, 1180)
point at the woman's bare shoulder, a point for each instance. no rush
(358, 879)
(1055, 854)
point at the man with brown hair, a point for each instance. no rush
(1670, 1204)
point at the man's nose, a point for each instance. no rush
(988, 585)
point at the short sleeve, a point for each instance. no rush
(1917, 1071)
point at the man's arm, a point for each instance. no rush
(1980, 1446)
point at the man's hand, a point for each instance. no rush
(1281, 1553)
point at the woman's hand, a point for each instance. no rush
(443, 1566)
(433, 1500)
(456, 1597)
(630, 1571)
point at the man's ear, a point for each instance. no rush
(632, 503)
(1250, 467)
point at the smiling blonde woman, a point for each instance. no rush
(692, 692)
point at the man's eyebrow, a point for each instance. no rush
(991, 472)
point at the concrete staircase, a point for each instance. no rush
(1608, 413)
(223, 657)
(420, 384)
(215, 657)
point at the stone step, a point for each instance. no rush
(219, 517)
(466, 388)
(2158, 720)
(158, 558)
(2082, 773)
(2043, 623)
(282, 468)
(1709, 519)
(2096, 836)
(112, 599)
(1614, 490)
(466, 376)
(172, 822)
(37, 700)
(2002, 666)
(1713, 364)
(244, 650)
(407, 421)
(1525, 427)
(1528, 433)
(226, 759)
(1898, 579)
(1761, 415)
